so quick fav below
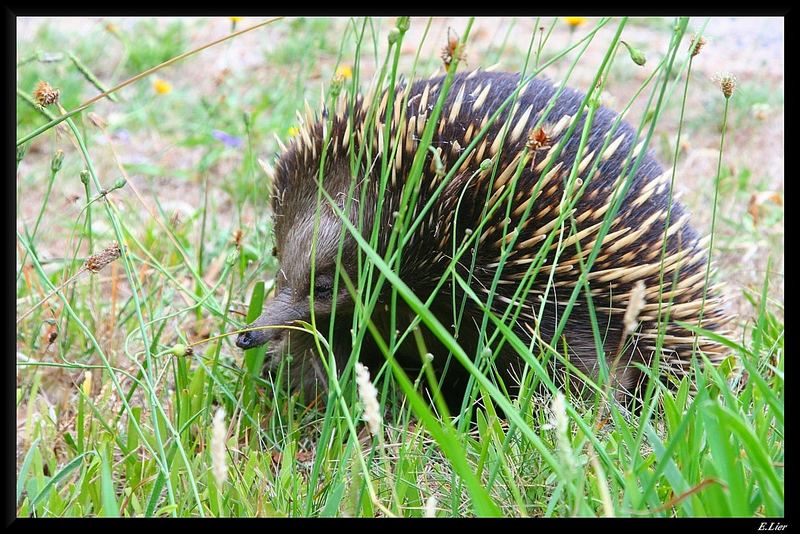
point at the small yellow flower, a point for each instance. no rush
(162, 87)
(294, 130)
(575, 21)
(344, 72)
(236, 19)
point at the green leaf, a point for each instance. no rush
(155, 494)
(331, 508)
(23, 471)
(166, 510)
(726, 460)
(713, 336)
(671, 470)
(110, 505)
(775, 404)
(756, 454)
(66, 470)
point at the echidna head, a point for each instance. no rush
(302, 218)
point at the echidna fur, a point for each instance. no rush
(630, 251)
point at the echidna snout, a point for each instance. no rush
(293, 300)
(278, 311)
(508, 205)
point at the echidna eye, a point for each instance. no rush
(323, 289)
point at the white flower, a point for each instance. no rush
(369, 397)
(218, 434)
(559, 409)
(561, 426)
(635, 304)
(430, 506)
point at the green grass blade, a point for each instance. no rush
(26, 464)
(61, 475)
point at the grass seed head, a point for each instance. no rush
(45, 95)
(452, 50)
(727, 83)
(637, 56)
(696, 45)
(403, 23)
(97, 262)
(179, 350)
(57, 161)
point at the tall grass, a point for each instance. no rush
(143, 357)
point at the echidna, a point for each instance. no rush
(507, 194)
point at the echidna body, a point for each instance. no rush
(509, 208)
